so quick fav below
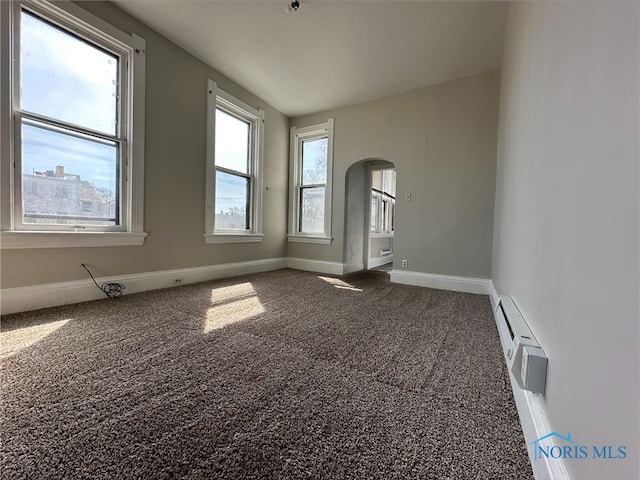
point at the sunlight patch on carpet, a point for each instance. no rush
(13, 341)
(232, 304)
(340, 284)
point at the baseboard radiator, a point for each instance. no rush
(524, 357)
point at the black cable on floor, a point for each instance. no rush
(111, 290)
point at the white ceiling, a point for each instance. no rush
(332, 53)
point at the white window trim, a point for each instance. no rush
(382, 235)
(298, 135)
(34, 239)
(133, 164)
(218, 97)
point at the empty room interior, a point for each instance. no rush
(320, 239)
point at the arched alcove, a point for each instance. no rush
(358, 210)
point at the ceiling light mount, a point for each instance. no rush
(293, 6)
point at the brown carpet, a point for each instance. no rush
(285, 374)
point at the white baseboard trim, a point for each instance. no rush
(21, 299)
(442, 282)
(328, 268)
(531, 411)
(544, 468)
(493, 296)
(377, 261)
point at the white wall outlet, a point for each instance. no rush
(177, 281)
(405, 263)
(407, 197)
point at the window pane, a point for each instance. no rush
(68, 179)
(374, 212)
(66, 78)
(232, 202)
(312, 210)
(376, 179)
(393, 215)
(390, 182)
(385, 215)
(232, 142)
(314, 161)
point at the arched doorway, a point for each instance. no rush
(365, 246)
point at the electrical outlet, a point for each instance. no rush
(177, 281)
(405, 263)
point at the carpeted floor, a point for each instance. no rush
(284, 374)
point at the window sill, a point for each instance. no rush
(39, 239)
(381, 235)
(309, 239)
(233, 237)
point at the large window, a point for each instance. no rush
(311, 163)
(233, 169)
(75, 127)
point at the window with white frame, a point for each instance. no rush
(311, 173)
(76, 128)
(383, 201)
(234, 152)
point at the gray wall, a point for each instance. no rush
(378, 243)
(442, 141)
(356, 193)
(567, 209)
(174, 177)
